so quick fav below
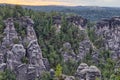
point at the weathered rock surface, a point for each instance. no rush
(19, 52)
(25, 58)
(10, 35)
(67, 52)
(84, 72)
(109, 30)
(34, 52)
(65, 77)
(78, 21)
(84, 45)
(13, 54)
(84, 49)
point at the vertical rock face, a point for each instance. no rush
(84, 72)
(22, 72)
(84, 49)
(12, 53)
(109, 30)
(30, 31)
(10, 32)
(33, 49)
(10, 35)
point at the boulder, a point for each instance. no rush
(81, 71)
(93, 73)
(84, 72)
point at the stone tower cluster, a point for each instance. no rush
(13, 55)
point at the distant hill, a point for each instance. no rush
(93, 13)
(89, 12)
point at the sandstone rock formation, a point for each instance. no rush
(85, 45)
(10, 35)
(67, 52)
(84, 49)
(13, 52)
(109, 30)
(57, 21)
(78, 21)
(84, 72)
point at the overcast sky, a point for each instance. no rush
(109, 3)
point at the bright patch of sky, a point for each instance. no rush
(109, 3)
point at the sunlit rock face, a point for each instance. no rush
(109, 30)
(84, 72)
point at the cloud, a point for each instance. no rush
(111, 3)
(34, 2)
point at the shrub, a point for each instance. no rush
(7, 75)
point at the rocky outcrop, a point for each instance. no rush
(57, 21)
(84, 72)
(14, 53)
(78, 21)
(67, 52)
(85, 45)
(10, 35)
(34, 52)
(9, 39)
(84, 49)
(109, 31)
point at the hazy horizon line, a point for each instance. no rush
(59, 5)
